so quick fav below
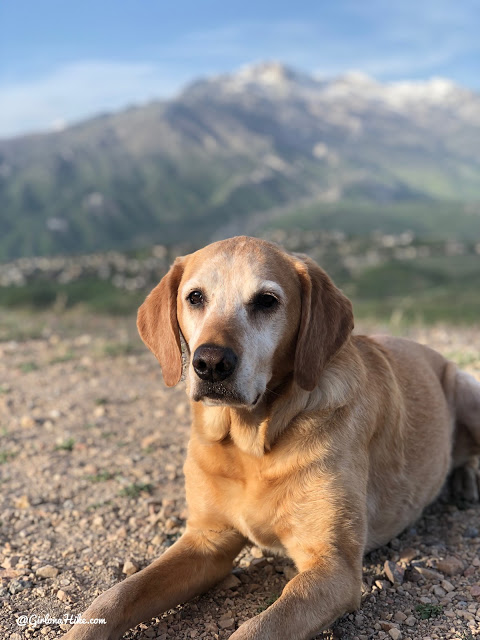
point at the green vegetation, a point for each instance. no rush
(427, 611)
(96, 295)
(115, 349)
(425, 289)
(64, 357)
(418, 293)
(102, 476)
(451, 219)
(5, 456)
(273, 598)
(26, 367)
(135, 489)
(66, 445)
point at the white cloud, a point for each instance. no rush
(76, 91)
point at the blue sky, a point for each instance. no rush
(63, 61)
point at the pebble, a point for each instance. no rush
(16, 586)
(230, 582)
(395, 633)
(448, 586)
(429, 574)
(129, 568)
(47, 571)
(394, 572)
(450, 565)
(290, 572)
(22, 502)
(226, 623)
(407, 555)
(27, 422)
(475, 591)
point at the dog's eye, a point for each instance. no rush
(264, 301)
(195, 298)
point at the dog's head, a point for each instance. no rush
(250, 314)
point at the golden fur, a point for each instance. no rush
(320, 445)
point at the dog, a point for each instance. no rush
(306, 440)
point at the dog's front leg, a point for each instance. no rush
(196, 562)
(309, 603)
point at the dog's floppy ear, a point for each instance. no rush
(325, 325)
(158, 325)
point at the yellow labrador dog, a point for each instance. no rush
(306, 440)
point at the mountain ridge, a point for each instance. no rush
(231, 146)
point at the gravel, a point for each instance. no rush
(91, 452)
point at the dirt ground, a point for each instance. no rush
(91, 452)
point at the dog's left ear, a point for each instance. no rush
(326, 322)
(157, 324)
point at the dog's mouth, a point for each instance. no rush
(218, 394)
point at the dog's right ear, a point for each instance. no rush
(157, 324)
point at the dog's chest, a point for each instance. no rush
(256, 513)
(251, 500)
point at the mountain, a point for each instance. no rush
(235, 150)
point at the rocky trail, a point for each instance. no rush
(91, 490)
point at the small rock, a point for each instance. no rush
(226, 623)
(10, 562)
(226, 614)
(129, 568)
(395, 633)
(438, 591)
(47, 571)
(450, 565)
(407, 555)
(475, 591)
(16, 586)
(471, 532)
(394, 572)
(382, 584)
(22, 502)
(259, 562)
(289, 572)
(386, 625)
(62, 596)
(429, 574)
(359, 620)
(27, 422)
(399, 616)
(211, 627)
(230, 582)
(448, 586)
(97, 522)
(15, 636)
(411, 621)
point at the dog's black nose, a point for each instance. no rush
(214, 363)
